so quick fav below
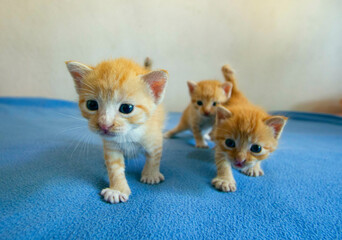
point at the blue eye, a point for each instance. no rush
(199, 103)
(126, 108)
(256, 148)
(92, 105)
(230, 143)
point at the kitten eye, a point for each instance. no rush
(256, 148)
(199, 103)
(214, 104)
(126, 108)
(230, 143)
(92, 105)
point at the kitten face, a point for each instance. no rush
(207, 95)
(117, 110)
(246, 136)
(117, 96)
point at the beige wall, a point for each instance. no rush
(287, 53)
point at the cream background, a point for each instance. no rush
(287, 53)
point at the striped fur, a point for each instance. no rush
(111, 84)
(246, 125)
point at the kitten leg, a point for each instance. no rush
(196, 130)
(224, 180)
(182, 126)
(118, 190)
(254, 171)
(151, 172)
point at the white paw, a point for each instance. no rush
(202, 145)
(253, 172)
(207, 137)
(224, 184)
(153, 178)
(113, 196)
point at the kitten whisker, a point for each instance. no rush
(72, 116)
(78, 144)
(70, 129)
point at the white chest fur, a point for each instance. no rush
(129, 144)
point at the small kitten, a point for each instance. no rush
(200, 113)
(122, 102)
(244, 135)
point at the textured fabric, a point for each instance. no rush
(52, 171)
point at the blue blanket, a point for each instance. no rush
(52, 171)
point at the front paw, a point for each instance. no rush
(114, 196)
(152, 178)
(224, 185)
(202, 145)
(253, 172)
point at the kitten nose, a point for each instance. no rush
(206, 113)
(105, 127)
(240, 163)
(240, 160)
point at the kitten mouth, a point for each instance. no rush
(240, 165)
(110, 134)
(107, 134)
(103, 133)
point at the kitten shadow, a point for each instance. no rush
(204, 155)
(192, 142)
(49, 170)
(50, 166)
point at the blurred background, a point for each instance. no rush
(287, 54)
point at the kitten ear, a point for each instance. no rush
(222, 114)
(191, 85)
(277, 124)
(78, 71)
(227, 88)
(156, 81)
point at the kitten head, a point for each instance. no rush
(207, 95)
(117, 96)
(246, 135)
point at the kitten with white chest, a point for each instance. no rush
(199, 116)
(122, 102)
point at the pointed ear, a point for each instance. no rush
(78, 71)
(227, 88)
(277, 124)
(222, 114)
(156, 81)
(191, 85)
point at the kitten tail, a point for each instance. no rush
(228, 74)
(148, 63)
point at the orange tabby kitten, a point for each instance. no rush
(121, 101)
(200, 113)
(244, 135)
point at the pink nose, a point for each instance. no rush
(105, 127)
(206, 113)
(240, 163)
